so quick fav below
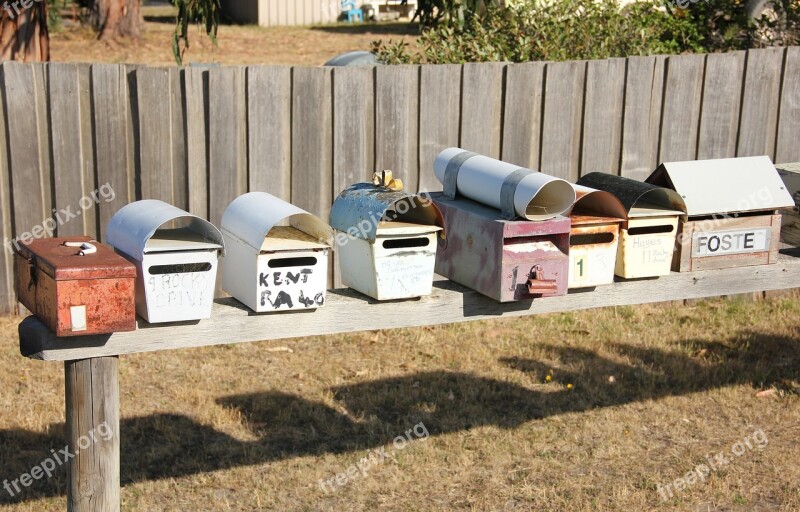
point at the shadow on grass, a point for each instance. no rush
(171, 446)
(400, 28)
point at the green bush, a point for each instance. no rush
(589, 29)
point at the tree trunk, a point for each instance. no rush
(23, 31)
(117, 18)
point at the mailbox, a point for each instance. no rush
(594, 237)
(276, 254)
(790, 222)
(488, 249)
(732, 214)
(386, 240)
(175, 254)
(647, 235)
(76, 286)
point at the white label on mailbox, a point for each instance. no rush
(77, 318)
(737, 241)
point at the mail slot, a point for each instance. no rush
(594, 237)
(76, 286)
(732, 217)
(276, 254)
(790, 220)
(175, 254)
(488, 249)
(647, 235)
(386, 240)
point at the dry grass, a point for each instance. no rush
(256, 426)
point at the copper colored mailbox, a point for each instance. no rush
(76, 286)
(732, 217)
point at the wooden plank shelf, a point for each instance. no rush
(349, 311)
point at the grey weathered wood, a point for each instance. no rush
(680, 120)
(312, 171)
(7, 296)
(90, 222)
(92, 410)
(112, 125)
(269, 123)
(180, 193)
(563, 110)
(787, 148)
(227, 148)
(197, 100)
(439, 117)
(482, 108)
(722, 95)
(67, 140)
(154, 106)
(397, 122)
(760, 99)
(522, 116)
(41, 86)
(30, 177)
(644, 85)
(602, 116)
(348, 311)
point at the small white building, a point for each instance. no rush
(270, 13)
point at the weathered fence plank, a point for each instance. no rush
(353, 127)
(154, 108)
(760, 99)
(439, 117)
(396, 122)
(641, 124)
(719, 115)
(787, 148)
(7, 296)
(683, 93)
(602, 117)
(197, 100)
(180, 193)
(269, 124)
(482, 108)
(563, 109)
(522, 117)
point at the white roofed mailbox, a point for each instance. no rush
(176, 266)
(386, 241)
(731, 211)
(277, 254)
(647, 236)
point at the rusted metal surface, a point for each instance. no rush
(495, 256)
(537, 283)
(593, 248)
(360, 208)
(73, 294)
(634, 194)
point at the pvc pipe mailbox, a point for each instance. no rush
(488, 250)
(177, 267)
(386, 241)
(277, 254)
(594, 237)
(647, 236)
(732, 216)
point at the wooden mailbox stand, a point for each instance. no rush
(92, 362)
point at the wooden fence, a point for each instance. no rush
(199, 137)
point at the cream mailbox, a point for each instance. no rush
(594, 237)
(487, 249)
(647, 236)
(731, 211)
(176, 266)
(387, 241)
(277, 254)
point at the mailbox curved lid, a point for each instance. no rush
(250, 218)
(590, 201)
(363, 205)
(639, 199)
(131, 230)
(724, 185)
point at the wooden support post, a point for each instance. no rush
(92, 399)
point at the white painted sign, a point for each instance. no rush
(737, 241)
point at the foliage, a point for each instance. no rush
(589, 29)
(53, 14)
(203, 12)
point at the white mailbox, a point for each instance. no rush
(277, 254)
(387, 241)
(176, 266)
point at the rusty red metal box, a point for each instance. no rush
(76, 286)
